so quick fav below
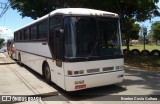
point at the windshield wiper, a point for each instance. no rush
(93, 50)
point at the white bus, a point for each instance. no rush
(75, 48)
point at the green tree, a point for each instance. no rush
(39, 8)
(1, 42)
(134, 32)
(130, 11)
(150, 36)
(155, 30)
(138, 10)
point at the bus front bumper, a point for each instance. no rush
(74, 83)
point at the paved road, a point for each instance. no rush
(15, 79)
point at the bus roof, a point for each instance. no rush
(81, 11)
(75, 11)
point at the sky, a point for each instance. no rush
(12, 20)
(148, 22)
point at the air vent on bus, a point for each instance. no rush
(108, 68)
(93, 70)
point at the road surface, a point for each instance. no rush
(18, 80)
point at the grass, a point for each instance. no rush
(143, 62)
(148, 63)
(141, 47)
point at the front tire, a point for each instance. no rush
(47, 73)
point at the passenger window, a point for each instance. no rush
(22, 35)
(15, 37)
(42, 30)
(26, 34)
(18, 35)
(34, 32)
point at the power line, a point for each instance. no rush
(2, 5)
(4, 9)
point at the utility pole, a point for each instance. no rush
(144, 34)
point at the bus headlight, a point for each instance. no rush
(119, 67)
(79, 72)
(70, 72)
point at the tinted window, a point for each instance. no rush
(42, 30)
(55, 20)
(88, 36)
(22, 35)
(26, 34)
(18, 35)
(33, 32)
(15, 36)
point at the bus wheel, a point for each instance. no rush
(19, 60)
(47, 73)
(155, 53)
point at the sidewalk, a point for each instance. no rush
(2, 55)
(16, 80)
(5, 59)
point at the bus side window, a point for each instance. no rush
(15, 37)
(22, 35)
(26, 34)
(34, 32)
(18, 36)
(43, 30)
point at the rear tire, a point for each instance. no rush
(145, 52)
(155, 53)
(47, 73)
(19, 60)
(135, 52)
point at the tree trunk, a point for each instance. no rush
(127, 42)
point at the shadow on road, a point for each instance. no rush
(92, 93)
(150, 80)
(83, 94)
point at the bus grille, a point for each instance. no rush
(108, 68)
(93, 70)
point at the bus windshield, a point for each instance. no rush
(87, 37)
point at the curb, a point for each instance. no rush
(8, 63)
